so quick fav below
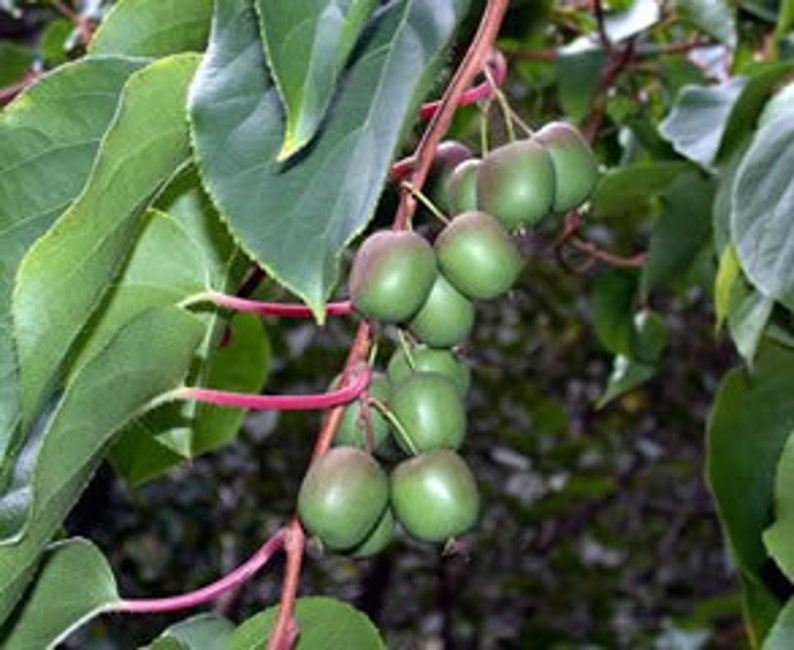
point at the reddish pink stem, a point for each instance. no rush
(282, 402)
(277, 308)
(234, 579)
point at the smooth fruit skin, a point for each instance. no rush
(477, 256)
(448, 156)
(434, 496)
(575, 166)
(444, 362)
(342, 497)
(352, 430)
(446, 318)
(431, 410)
(378, 538)
(461, 187)
(515, 183)
(391, 276)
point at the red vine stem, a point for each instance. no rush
(359, 383)
(284, 631)
(271, 308)
(212, 591)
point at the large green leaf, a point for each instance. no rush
(762, 205)
(681, 230)
(779, 538)
(715, 17)
(73, 584)
(154, 28)
(698, 120)
(48, 139)
(781, 636)
(65, 274)
(202, 632)
(295, 218)
(751, 420)
(323, 623)
(147, 358)
(307, 43)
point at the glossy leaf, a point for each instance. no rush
(73, 584)
(779, 538)
(295, 219)
(723, 199)
(680, 232)
(763, 202)
(638, 17)
(613, 307)
(202, 632)
(715, 17)
(626, 376)
(751, 420)
(580, 65)
(697, 122)
(66, 273)
(628, 191)
(48, 139)
(781, 636)
(307, 43)
(147, 358)
(748, 315)
(153, 28)
(323, 623)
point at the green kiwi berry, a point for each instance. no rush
(446, 318)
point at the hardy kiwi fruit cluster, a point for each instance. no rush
(347, 500)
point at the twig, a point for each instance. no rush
(287, 310)
(616, 62)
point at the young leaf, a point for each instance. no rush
(762, 205)
(48, 139)
(47, 615)
(626, 376)
(307, 44)
(65, 274)
(751, 420)
(202, 632)
(323, 623)
(153, 28)
(295, 219)
(147, 358)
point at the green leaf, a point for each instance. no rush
(748, 315)
(579, 69)
(176, 432)
(626, 376)
(781, 636)
(681, 230)
(48, 139)
(750, 422)
(307, 43)
(763, 202)
(323, 623)
(295, 219)
(779, 537)
(641, 15)
(147, 358)
(715, 17)
(761, 608)
(728, 273)
(55, 40)
(65, 274)
(15, 61)
(613, 309)
(723, 199)
(627, 191)
(648, 336)
(154, 28)
(699, 118)
(73, 584)
(202, 632)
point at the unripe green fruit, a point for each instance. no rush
(430, 408)
(477, 256)
(342, 497)
(391, 276)
(461, 187)
(434, 496)
(352, 430)
(515, 183)
(377, 539)
(575, 166)
(446, 318)
(448, 156)
(443, 362)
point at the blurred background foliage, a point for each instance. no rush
(597, 530)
